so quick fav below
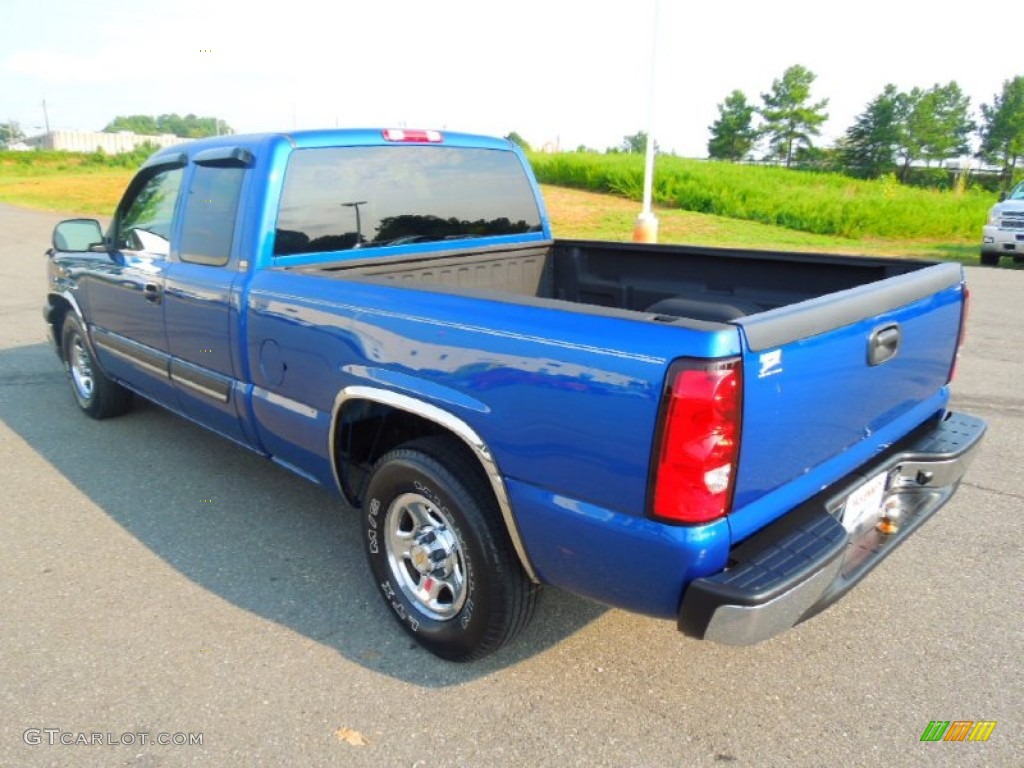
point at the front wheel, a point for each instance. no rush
(440, 554)
(96, 395)
(989, 259)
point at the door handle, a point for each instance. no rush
(152, 292)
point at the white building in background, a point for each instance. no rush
(90, 141)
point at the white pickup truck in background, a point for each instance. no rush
(1003, 234)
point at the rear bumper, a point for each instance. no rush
(806, 560)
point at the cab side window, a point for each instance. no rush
(210, 211)
(145, 223)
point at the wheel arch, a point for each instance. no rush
(409, 419)
(58, 307)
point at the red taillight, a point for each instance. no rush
(697, 447)
(962, 333)
(416, 137)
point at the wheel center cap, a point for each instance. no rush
(432, 553)
(421, 559)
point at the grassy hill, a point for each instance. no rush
(589, 215)
(820, 203)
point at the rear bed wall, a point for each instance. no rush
(682, 281)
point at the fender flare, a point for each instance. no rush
(450, 423)
(65, 296)
(70, 299)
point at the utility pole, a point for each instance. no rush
(46, 118)
(359, 220)
(646, 228)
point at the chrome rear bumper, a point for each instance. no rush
(806, 560)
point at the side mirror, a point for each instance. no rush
(78, 236)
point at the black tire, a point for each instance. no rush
(990, 259)
(1018, 259)
(96, 395)
(439, 552)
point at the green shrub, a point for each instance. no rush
(930, 178)
(822, 203)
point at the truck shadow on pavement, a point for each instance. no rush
(241, 527)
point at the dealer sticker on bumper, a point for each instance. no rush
(865, 503)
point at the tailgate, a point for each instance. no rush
(830, 382)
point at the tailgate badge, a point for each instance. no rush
(771, 363)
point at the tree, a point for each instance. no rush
(187, 127)
(910, 148)
(635, 143)
(732, 134)
(142, 124)
(1002, 133)
(518, 140)
(790, 121)
(936, 125)
(942, 123)
(870, 145)
(10, 132)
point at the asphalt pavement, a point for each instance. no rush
(160, 584)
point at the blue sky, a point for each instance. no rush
(555, 70)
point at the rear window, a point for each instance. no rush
(340, 198)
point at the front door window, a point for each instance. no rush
(145, 224)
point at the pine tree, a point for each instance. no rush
(733, 134)
(870, 145)
(944, 122)
(790, 121)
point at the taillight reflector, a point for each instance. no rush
(415, 137)
(697, 446)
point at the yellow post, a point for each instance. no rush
(646, 229)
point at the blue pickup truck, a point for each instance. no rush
(730, 439)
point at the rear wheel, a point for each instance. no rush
(440, 554)
(96, 395)
(989, 259)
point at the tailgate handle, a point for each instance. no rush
(883, 344)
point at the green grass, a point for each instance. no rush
(73, 191)
(818, 203)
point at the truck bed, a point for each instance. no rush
(669, 282)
